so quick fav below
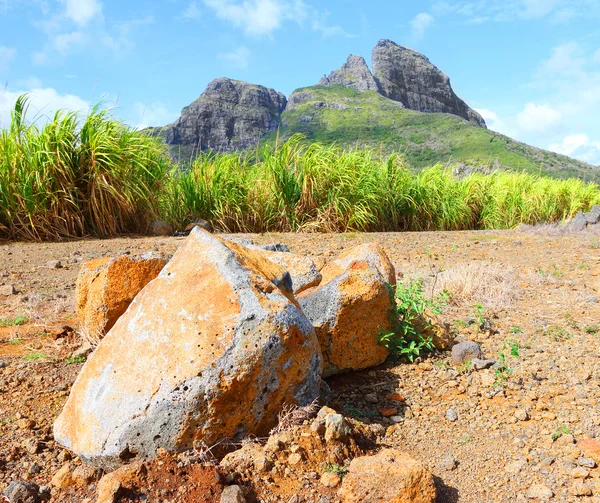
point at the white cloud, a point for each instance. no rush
(264, 17)
(7, 54)
(155, 114)
(579, 146)
(538, 118)
(59, 46)
(82, 11)
(43, 103)
(538, 8)
(238, 58)
(419, 25)
(192, 11)
(493, 121)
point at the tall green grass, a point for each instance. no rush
(69, 179)
(96, 176)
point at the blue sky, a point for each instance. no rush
(531, 67)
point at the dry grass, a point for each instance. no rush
(90, 336)
(494, 285)
(44, 310)
(292, 415)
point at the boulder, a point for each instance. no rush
(389, 476)
(372, 253)
(578, 223)
(106, 287)
(210, 349)
(348, 312)
(303, 271)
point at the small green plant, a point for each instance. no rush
(583, 266)
(15, 341)
(516, 330)
(558, 333)
(465, 439)
(442, 364)
(339, 470)
(502, 370)
(479, 314)
(75, 359)
(35, 356)
(514, 347)
(556, 272)
(350, 410)
(465, 367)
(594, 243)
(408, 323)
(459, 324)
(560, 431)
(19, 320)
(592, 329)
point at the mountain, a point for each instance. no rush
(405, 105)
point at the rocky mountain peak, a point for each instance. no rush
(228, 115)
(407, 76)
(354, 74)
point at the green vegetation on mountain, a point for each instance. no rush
(351, 118)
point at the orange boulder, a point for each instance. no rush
(349, 312)
(389, 476)
(106, 287)
(211, 349)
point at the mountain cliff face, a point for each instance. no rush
(354, 74)
(229, 115)
(409, 77)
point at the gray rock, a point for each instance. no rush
(2, 364)
(540, 492)
(54, 264)
(591, 299)
(409, 77)
(336, 428)
(20, 491)
(229, 115)
(592, 216)
(451, 415)
(578, 223)
(465, 351)
(354, 74)
(275, 247)
(232, 494)
(482, 364)
(586, 462)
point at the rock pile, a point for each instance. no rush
(216, 345)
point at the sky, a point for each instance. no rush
(530, 67)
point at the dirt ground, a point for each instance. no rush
(493, 435)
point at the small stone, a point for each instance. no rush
(592, 300)
(108, 489)
(25, 424)
(336, 428)
(274, 444)
(2, 364)
(540, 492)
(294, 458)
(83, 351)
(580, 489)
(451, 415)
(479, 364)
(449, 463)
(64, 456)
(522, 415)
(465, 351)
(34, 469)
(63, 477)
(580, 473)
(330, 479)
(232, 494)
(586, 462)
(6, 290)
(396, 419)
(32, 446)
(565, 440)
(54, 264)
(371, 398)
(20, 491)
(85, 474)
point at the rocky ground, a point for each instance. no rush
(524, 429)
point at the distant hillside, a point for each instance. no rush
(366, 118)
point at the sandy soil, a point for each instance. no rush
(486, 435)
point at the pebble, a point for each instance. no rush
(587, 462)
(522, 415)
(540, 492)
(449, 463)
(451, 415)
(580, 489)
(371, 398)
(54, 264)
(2, 364)
(6, 290)
(465, 351)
